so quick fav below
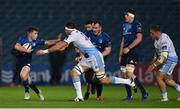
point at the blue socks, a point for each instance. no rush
(33, 87)
(26, 85)
(128, 90)
(140, 86)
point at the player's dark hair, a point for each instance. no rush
(71, 25)
(88, 22)
(97, 22)
(32, 28)
(130, 11)
(155, 28)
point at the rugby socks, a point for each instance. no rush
(141, 87)
(116, 80)
(33, 87)
(128, 90)
(77, 86)
(99, 88)
(164, 94)
(177, 86)
(25, 84)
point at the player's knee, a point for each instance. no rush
(73, 73)
(77, 70)
(130, 68)
(101, 76)
(105, 80)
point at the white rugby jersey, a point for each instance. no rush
(82, 42)
(166, 44)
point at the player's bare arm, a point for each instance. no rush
(60, 46)
(20, 48)
(52, 42)
(106, 52)
(121, 49)
(157, 61)
(134, 43)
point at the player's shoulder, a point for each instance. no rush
(88, 33)
(23, 39)
(164, 37)
(137, 22)
(105, 35)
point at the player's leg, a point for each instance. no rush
(114, 80)
(168, 80)
(130, 73)
(24, 76)
(75, 74)
(33, 86)
(162, 85)
(98, 66)
(88, 76)
(127, 87)
(99, 89)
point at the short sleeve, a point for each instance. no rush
(69, 39)
(108, 42)
(40, 41)
(138, 28)
(165, 44)
(21, 41)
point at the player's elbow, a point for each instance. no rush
(139, 37)
(16, 46)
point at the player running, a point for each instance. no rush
(129, 52)
(92, 59)
(166, 58)
(23, 51)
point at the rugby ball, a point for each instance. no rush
(27, 46)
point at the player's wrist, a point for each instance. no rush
(45, 51)
(129, 47)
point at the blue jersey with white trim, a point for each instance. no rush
(33, 44)
(101, 41)
(129, 33)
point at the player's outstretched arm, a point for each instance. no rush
(52, 42)
(60, 46)
(21, 48)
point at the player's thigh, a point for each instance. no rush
(25, 72)
(79, 69)
(89, 75)
(168, 67)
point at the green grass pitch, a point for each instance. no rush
(58, 96)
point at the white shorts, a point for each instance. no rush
(96, 62)
(168, 67)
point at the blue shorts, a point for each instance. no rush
(168, 67)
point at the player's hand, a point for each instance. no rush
(126, 50)
(29, 51)
(150, 69)
(40, 52)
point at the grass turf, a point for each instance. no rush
(58, 96)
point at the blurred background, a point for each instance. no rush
(51, 16)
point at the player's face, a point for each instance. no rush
(33, 35)
(67, 32)
(97, 29)
(88, 27)
(127, 18)
(153, 34)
